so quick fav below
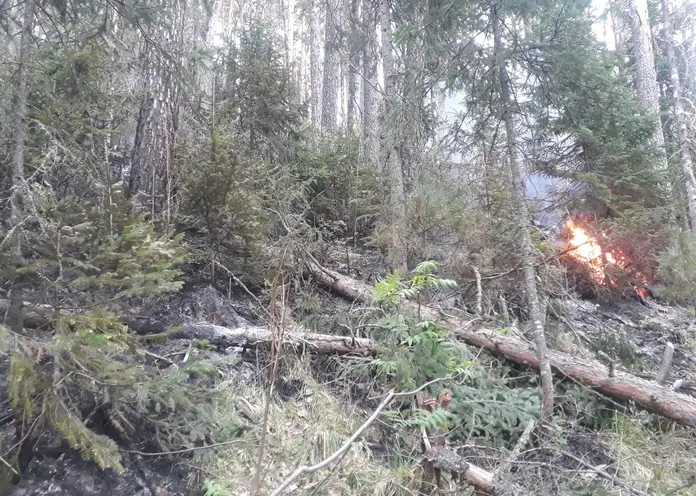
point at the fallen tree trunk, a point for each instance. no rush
(38, 316)
(621, 386)
(260, 337)
(448, 461)
(338, 283)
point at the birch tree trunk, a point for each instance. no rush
(520, 205)
(370, 96)
(646, 75)
(14, 317)
(393, 170)
(329, 114)
(679, 117)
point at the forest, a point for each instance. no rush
(347, 247)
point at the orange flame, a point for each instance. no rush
(587, 250)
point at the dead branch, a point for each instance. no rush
(666, 363)
(606, 475)
(521, 444)
(622, 386)
(349, 442)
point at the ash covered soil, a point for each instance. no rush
(640, 332)
(636, 335)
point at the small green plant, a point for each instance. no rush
(494, 413)
(391, 291)
(418, 349)
(214, 487)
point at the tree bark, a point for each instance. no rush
(396, 220)
(679, 116)
(315, 79)
(152, 178)
(260, 337)
(622, 386)
(353, 65)
(370, 95)
(329, 114)
(646, 75)
(526, 246)
(19, 187)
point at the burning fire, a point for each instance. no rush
(586, 249)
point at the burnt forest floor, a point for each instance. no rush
(315, 408)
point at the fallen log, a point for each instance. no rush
(39, 316)
(260, 337)
(338, 283)
(483, 480)
(621, 386)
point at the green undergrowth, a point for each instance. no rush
(86, 376)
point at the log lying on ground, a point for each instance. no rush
(258, 337)
(338, 283)
(621, 386)
(448, 461)
(38, 316)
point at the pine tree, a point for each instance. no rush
(646, 75)
(392, 169)
(679, 116)
(524, 221)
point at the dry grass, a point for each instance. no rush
(302, 431)
(655, 462)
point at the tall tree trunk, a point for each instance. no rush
(152, 178)
(679, 117)
(20, 134)
(646, 76)
(14, 314)
(329, 114)
(370, 96)
(353, 65)
(315, 69)
(393, 170)
(520, 205)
